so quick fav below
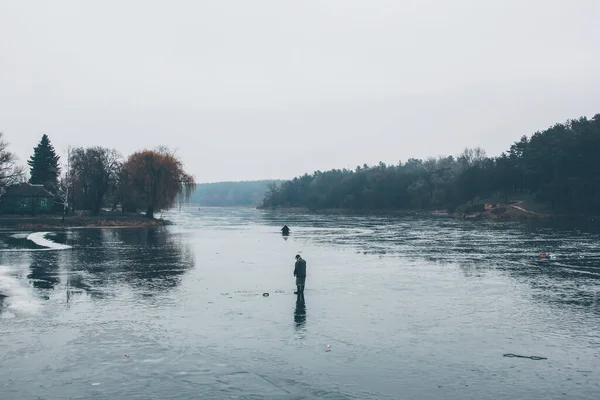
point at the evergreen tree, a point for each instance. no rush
(43, 164)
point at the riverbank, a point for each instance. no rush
(515, 210)
(77, 221)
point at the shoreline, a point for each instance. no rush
(71, 222)
(501, 212)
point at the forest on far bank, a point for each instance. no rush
(246, 193)
(558, 167)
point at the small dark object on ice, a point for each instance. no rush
(530, 357)
(265, 294)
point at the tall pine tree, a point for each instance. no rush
(43, 164)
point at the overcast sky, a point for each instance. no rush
(274, 88)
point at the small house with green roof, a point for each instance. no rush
(25, 198)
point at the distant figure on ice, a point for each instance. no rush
(285, 231)
(300, 274)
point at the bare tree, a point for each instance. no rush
(10, 171)
(471, 157)
(65, 184)
(94, 174)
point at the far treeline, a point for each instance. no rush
(96, 178)
(247, 193)
(558, 167)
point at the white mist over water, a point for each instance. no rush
(19, 297)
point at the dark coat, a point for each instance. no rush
(300, 268)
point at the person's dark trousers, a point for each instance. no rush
(300, 280)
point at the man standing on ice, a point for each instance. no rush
(300, 274)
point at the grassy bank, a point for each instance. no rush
(78, 221)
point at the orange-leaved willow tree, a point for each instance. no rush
(155, 180)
